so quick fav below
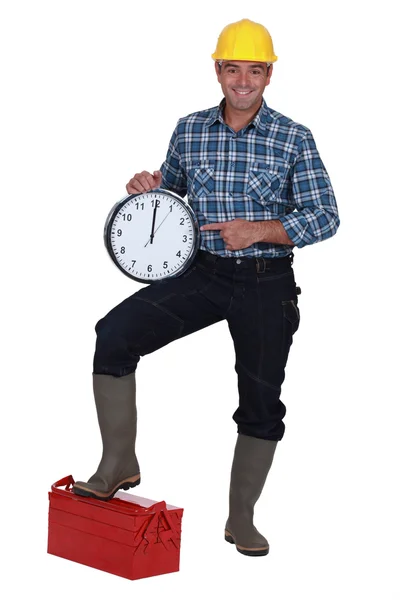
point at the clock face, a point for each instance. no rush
(151, 236)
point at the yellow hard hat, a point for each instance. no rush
(245, 40)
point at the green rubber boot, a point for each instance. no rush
(251, 463)
(115, 399)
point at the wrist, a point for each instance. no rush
(259, 231)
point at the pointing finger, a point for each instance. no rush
(212, 227)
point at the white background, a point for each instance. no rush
(91, 94)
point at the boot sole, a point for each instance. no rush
(123, 485)
(246, 551)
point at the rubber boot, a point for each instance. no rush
(115, 399)
(251, 463)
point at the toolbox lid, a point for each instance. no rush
(144, 502)
(121, 502)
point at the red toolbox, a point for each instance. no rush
(128, 536)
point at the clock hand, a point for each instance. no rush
(149, 240)
(152, 226)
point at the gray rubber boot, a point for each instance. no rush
(115, 399)
(251, 463)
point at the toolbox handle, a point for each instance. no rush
(146, 539)
(68, 481)
(156, 507)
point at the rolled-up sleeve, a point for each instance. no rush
(173, 176)
(315, 217)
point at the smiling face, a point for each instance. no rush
(243, 84)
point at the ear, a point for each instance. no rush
(270, 69)
(216, 66)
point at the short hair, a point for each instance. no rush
(219, 63)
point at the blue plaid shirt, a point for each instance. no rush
(271, 169)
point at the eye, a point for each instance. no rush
(256, 72)
(231, 71)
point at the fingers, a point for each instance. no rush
(222, 228)
(144, 182)
(228, 245)
(157, 178)
(212, 227)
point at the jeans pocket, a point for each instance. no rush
(209, 269)
(273, 276)
(188, 271)
(291, 312)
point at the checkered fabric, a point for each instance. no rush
(271, 169)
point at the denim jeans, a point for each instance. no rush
(259, 300)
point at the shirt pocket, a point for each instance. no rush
(201, 179)
(266, 180)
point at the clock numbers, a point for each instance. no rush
(149, 227)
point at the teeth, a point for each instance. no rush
(242, 93)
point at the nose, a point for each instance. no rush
(243, 80)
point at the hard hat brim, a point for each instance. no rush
(247, 59)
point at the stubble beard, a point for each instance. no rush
(243, 104)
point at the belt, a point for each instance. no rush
(261, 264)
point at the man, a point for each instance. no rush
(258, 187)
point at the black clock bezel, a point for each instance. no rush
(116, 209)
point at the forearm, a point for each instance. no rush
(315, 217)
(271, 232)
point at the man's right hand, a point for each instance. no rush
(144, 182)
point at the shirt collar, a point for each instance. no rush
(259, 122)
(216, 114)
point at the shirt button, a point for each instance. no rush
(238, 261)
(232, 164)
